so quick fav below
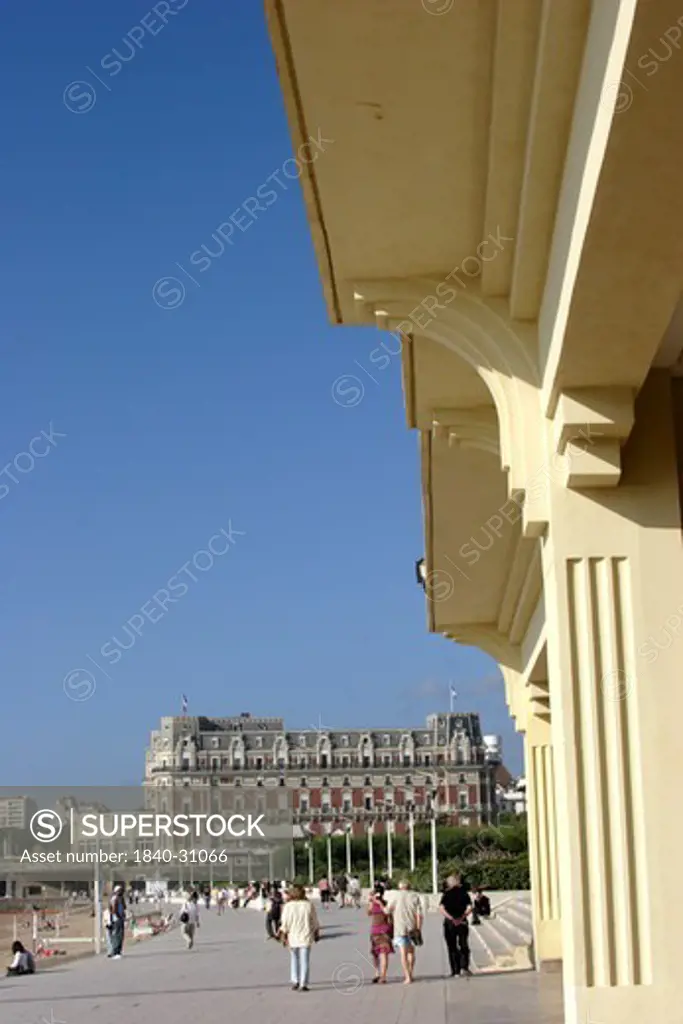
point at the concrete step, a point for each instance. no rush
(483, 957)
(517, 935)
(521, 907)
(520, 917)
(502, 945)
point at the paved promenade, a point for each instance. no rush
(233, 974)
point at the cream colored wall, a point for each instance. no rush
(527, 696)
(613, 568)
(543, 851)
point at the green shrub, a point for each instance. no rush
(490, 873)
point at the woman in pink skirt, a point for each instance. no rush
(381, 933)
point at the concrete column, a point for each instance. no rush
(613, 579)
(543, 854)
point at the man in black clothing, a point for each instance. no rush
(481, 906)
(455, 906)
(274, 912)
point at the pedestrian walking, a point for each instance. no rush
(342, 886)
(189, 919)
(406, 912)
(381, 932)
(299, 929)
(117, 922)
(106, 923)
(325, 894)
(273, 913)
(456, 906)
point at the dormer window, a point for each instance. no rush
(344, 741)
(258, 742)
(302, 741)
(386, 740)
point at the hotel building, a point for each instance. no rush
(333, 778)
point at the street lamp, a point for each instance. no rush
(371, 855)
(311, 874)
(328, 829)
(390, 858)
(411, 835)
(435, 856)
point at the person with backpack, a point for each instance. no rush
(189, 919)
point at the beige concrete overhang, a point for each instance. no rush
(498, 119)
(493, 158)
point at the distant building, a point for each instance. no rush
(512, 798)
(493, 749)
(334, 779)
(16, 811)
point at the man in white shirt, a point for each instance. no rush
(189, 919)
(405, 907)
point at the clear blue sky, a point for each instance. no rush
(180, 421)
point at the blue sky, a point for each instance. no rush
(146, 431)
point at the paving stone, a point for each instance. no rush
(233, 971)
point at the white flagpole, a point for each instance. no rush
(390, 859)
(371, 857)
(435, 858)
(329, 854)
